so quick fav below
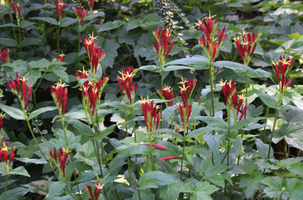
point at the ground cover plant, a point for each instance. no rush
(151, 100)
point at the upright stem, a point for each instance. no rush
(6, 183)
(162, 75)
(133, 121)
(58, 38)
(185, 132)
(272, 133)
(19, 33)
(150, 151)
(228, 135)
(212, 108)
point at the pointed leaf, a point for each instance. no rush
(13, 112)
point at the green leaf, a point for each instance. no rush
(24, 24)
(197, 62)
(152, 68)
(40, 187)
(169, 131)
(55, 188)
(263, 149)
(8, 25)
(203, 190)
(200, 131)
(240, 124)
(94, 15)
(251, 182)
(150, 21)
(296, 169)
(67, 21)
(30, 41)
(19, 171)
(213, 141)
(34, 161)
(83, 129)
(8, 42)
(34, 75)
(171, 191)
(294, 187)
(274, 186)
(212, 172)
(59, 71)
(46, 19)
(106, 132)
(16, 193)
(110, 47)
(133, 24)
(13, 112)
(155, 179)
(292, 133)
(40, 111)
(269, 100)
(214, 121)
(2, 169)
(35, 6)
(111, 25)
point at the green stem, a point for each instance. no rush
(34, 91)
(185, 132)
(64, 129)
(58, 39)
(6, 183)
(162, 75)
(133, 121)
(19, 33)
(272, 133)
(150, 152)
(228, 135)
(264, 130)
(128, 169)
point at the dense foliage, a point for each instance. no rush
(151, 99)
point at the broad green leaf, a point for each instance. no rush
(294, 187)
(214, 121)
(171, 132)
(240, 124)
(30, 41)
(24, 23)
(292, 133)
(83, 129)
(212, 172)
(35, 6)
(263, 149)
(19, 171)
(152, 68)
(60, 72)
(13, 112)
(55, 188)
(213, 141)
(8, 25)
(67, 21)
(40, 111)
(15, 193)
(237, 143)
(155, 179)
(34, 75)
(203, 190)
(46, 19)
(197, 62)
(150, 21)
(296, 169)
(111, 25)
(110, 47)
(171, 191)
(269, 100)
(133, 24)
(40, 186)
(94, 15)
(106, 132)
(175, 68)
(251, 182)
(200, 131)
(34, 161)
(274, 186)
(8, 42)
(2, 169)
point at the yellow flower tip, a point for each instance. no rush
(222, 83)
(24, 79)
(92, 36)
(242, 96)
(54, 59)
(143, 100)
(2, 115)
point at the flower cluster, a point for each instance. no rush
(207, 41)
(95, 54)
(62, 159)
(125, 83)
(59, 94)
(231, 98)
(15, 87)
(16, 10)
(95, 195)
(161, 44)
(151, 117)
(185, 111)
(247, 46)
(59, 6)
(61, 57)
(82, 75)
(91, 5)
(92, 94)
(4, 154)
(80, 13)
(282, 67)
(187, 85)
(4, 55)
(167, 94)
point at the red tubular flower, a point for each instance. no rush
(97, 191)
(243, 112)
(60, 57)
(91, 4)
(208, 43)
(247, 46)
(151, 117)
(161, 44)
(18, 10)
(4, 55)
(170, 157)
(15, 87)
(282, 67)
(185, 111)
(2, 116)
(3, 153)
(167, 94)
(187, 85)
(59, 6)
(155, 145)
(95, 54)
(62, 159)
(53, 155)
(11, 156)
(80, 13)
(125, 83)
(59, 94)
